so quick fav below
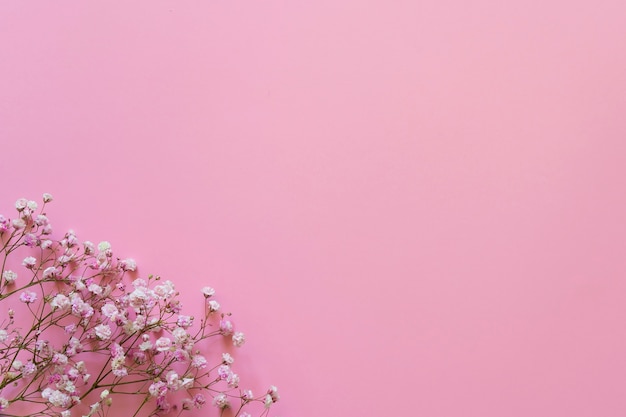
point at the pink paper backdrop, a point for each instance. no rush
(412, 207)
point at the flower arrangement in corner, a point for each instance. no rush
(78, 336)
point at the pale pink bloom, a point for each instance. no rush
(88, 247)
(46, 244)
(59, 359)
(21, 204)
(29, 262)
(128, 264)
(29, 368)
(208, 291)
(4, 335)
(198, 361)
(110, 311)
(60, 301)
(226, 327)
(268, 401)
(17, 364)
(145, 345)
(247, 395)
(233, 380)
(47, 197)
(223, 371)
(103, 332)
(173, 382)
(18, 224)
(166, 290)
(273, 392)
(32, 205)
(238, 339)
(180, 335)
(41, 220)
(4, 403)
(245, 414)
(213, 306)
(157, 389)
(65, 259)
(28, 297)
(199, 400)
(163, 344)
(95, 289)
(9, 276)
(184, 321)
(66, 413)
(50, 272)
(221, 401)
(227, 359)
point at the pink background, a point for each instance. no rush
(412, 207)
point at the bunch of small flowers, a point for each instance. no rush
(78, 330)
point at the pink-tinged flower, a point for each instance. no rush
(65, 259)
(50, 272)
(59, 359)
(32, 205)
(239, 339)
(128, 264)
(4, 335)
(184, 321)
(247, 395)
(173, 381)
(95, 289)
(56, 398)
(47, 197)
(9, 276)
(198, 361)
(233, 380)
(70, 328)
(29, 262)
(30, 240)
(268, 401)
(110, 311)
(18, 224)
(5, 224)
(117, 350)
(4, 404)
(162, 404)
(227, 359)
(245, 414)
(223, 371)
(213, 306)
(28, 297)
(41, 220)
(21, 204)
(46, 244)
(180, 335)
(226, 327)
(221, 401)
(60, 301)
(273, 392)
(29, 368)
(199, 400)
(88, 247)
(103, 332)
(165, 291)
(163, 344)
(139, 357)
(157, 389)
(208, 291)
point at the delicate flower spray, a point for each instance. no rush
(78, 336)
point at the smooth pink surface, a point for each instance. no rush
(412, 208)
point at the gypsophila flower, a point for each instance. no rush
(208, 291)
(221, 401)
(4, 403)
(9, 276)
(238, 339)
(213, 305)
(227, 359)
(4, 335)
(47, 197)
(28, 297)
(29, 262)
